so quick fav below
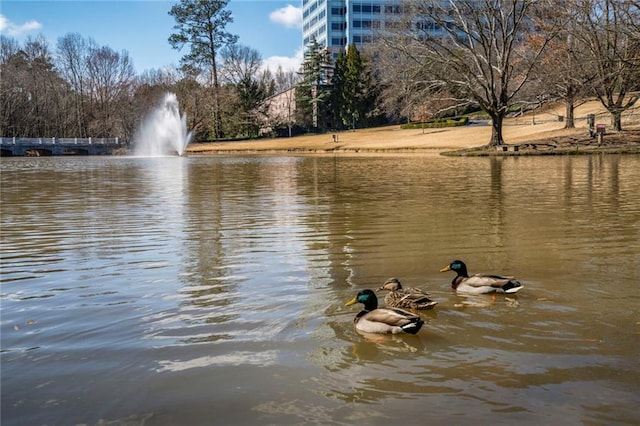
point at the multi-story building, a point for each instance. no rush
(281, 109)
(336, 24)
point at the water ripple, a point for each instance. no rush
(142, 282)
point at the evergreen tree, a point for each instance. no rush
(314, 91)
(241, 71)
(251, 94)
(336, 101)
(201, 24)
(356, 90)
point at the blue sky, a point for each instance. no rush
(142, 27)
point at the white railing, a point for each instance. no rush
(60, 141)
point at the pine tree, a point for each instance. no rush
(336, 101)
(354, 94)
(314, 91)
(202, 25)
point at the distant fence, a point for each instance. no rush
(58, 146)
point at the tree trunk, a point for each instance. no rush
(569, 116)
(496, 130)
(616, 121)
(217, 117)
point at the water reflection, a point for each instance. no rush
(213, 287)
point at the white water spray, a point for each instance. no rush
(163, 131)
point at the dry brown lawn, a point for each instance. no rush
(533, 127)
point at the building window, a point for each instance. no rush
(338, 11)
(365, 23)
(366, 8)
(392, 9)
(338, 26)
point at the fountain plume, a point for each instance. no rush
(163, 131)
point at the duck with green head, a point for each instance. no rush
(480, 283)
(383, 320)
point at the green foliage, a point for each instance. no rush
(251, 94)
(201, 24)
(354, 89)
(438, 123)
(314, 90)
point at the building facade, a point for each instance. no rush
(336, 24)
(281, 109)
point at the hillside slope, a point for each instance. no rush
(536, 127)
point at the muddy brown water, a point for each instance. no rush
(211, 290)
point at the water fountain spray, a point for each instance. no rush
(163, 131)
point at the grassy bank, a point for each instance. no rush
(537, 133)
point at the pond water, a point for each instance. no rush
(211, 290)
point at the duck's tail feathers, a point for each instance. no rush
(429, 305)
(512, 286)
(413, 327)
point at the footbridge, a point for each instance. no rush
(36, 147)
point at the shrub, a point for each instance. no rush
(437, 123)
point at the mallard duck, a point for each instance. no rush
(480, 283)
(407, 298)
(383, 320)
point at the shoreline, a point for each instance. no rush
(537, 133)
(449, 142)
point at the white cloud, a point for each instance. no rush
(287, 63)
(11, 29)
(289, 16)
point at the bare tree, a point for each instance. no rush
(8, 48)
(111, 75)
(285, 80)
(10, 94)
(608, 32)
(14, 95)
(564, 71)
(470, 50)
(400, 78)
(73, 51)
(242, 68)
(33, 94)
(198, 104)
(284, 90)
(239, 63)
